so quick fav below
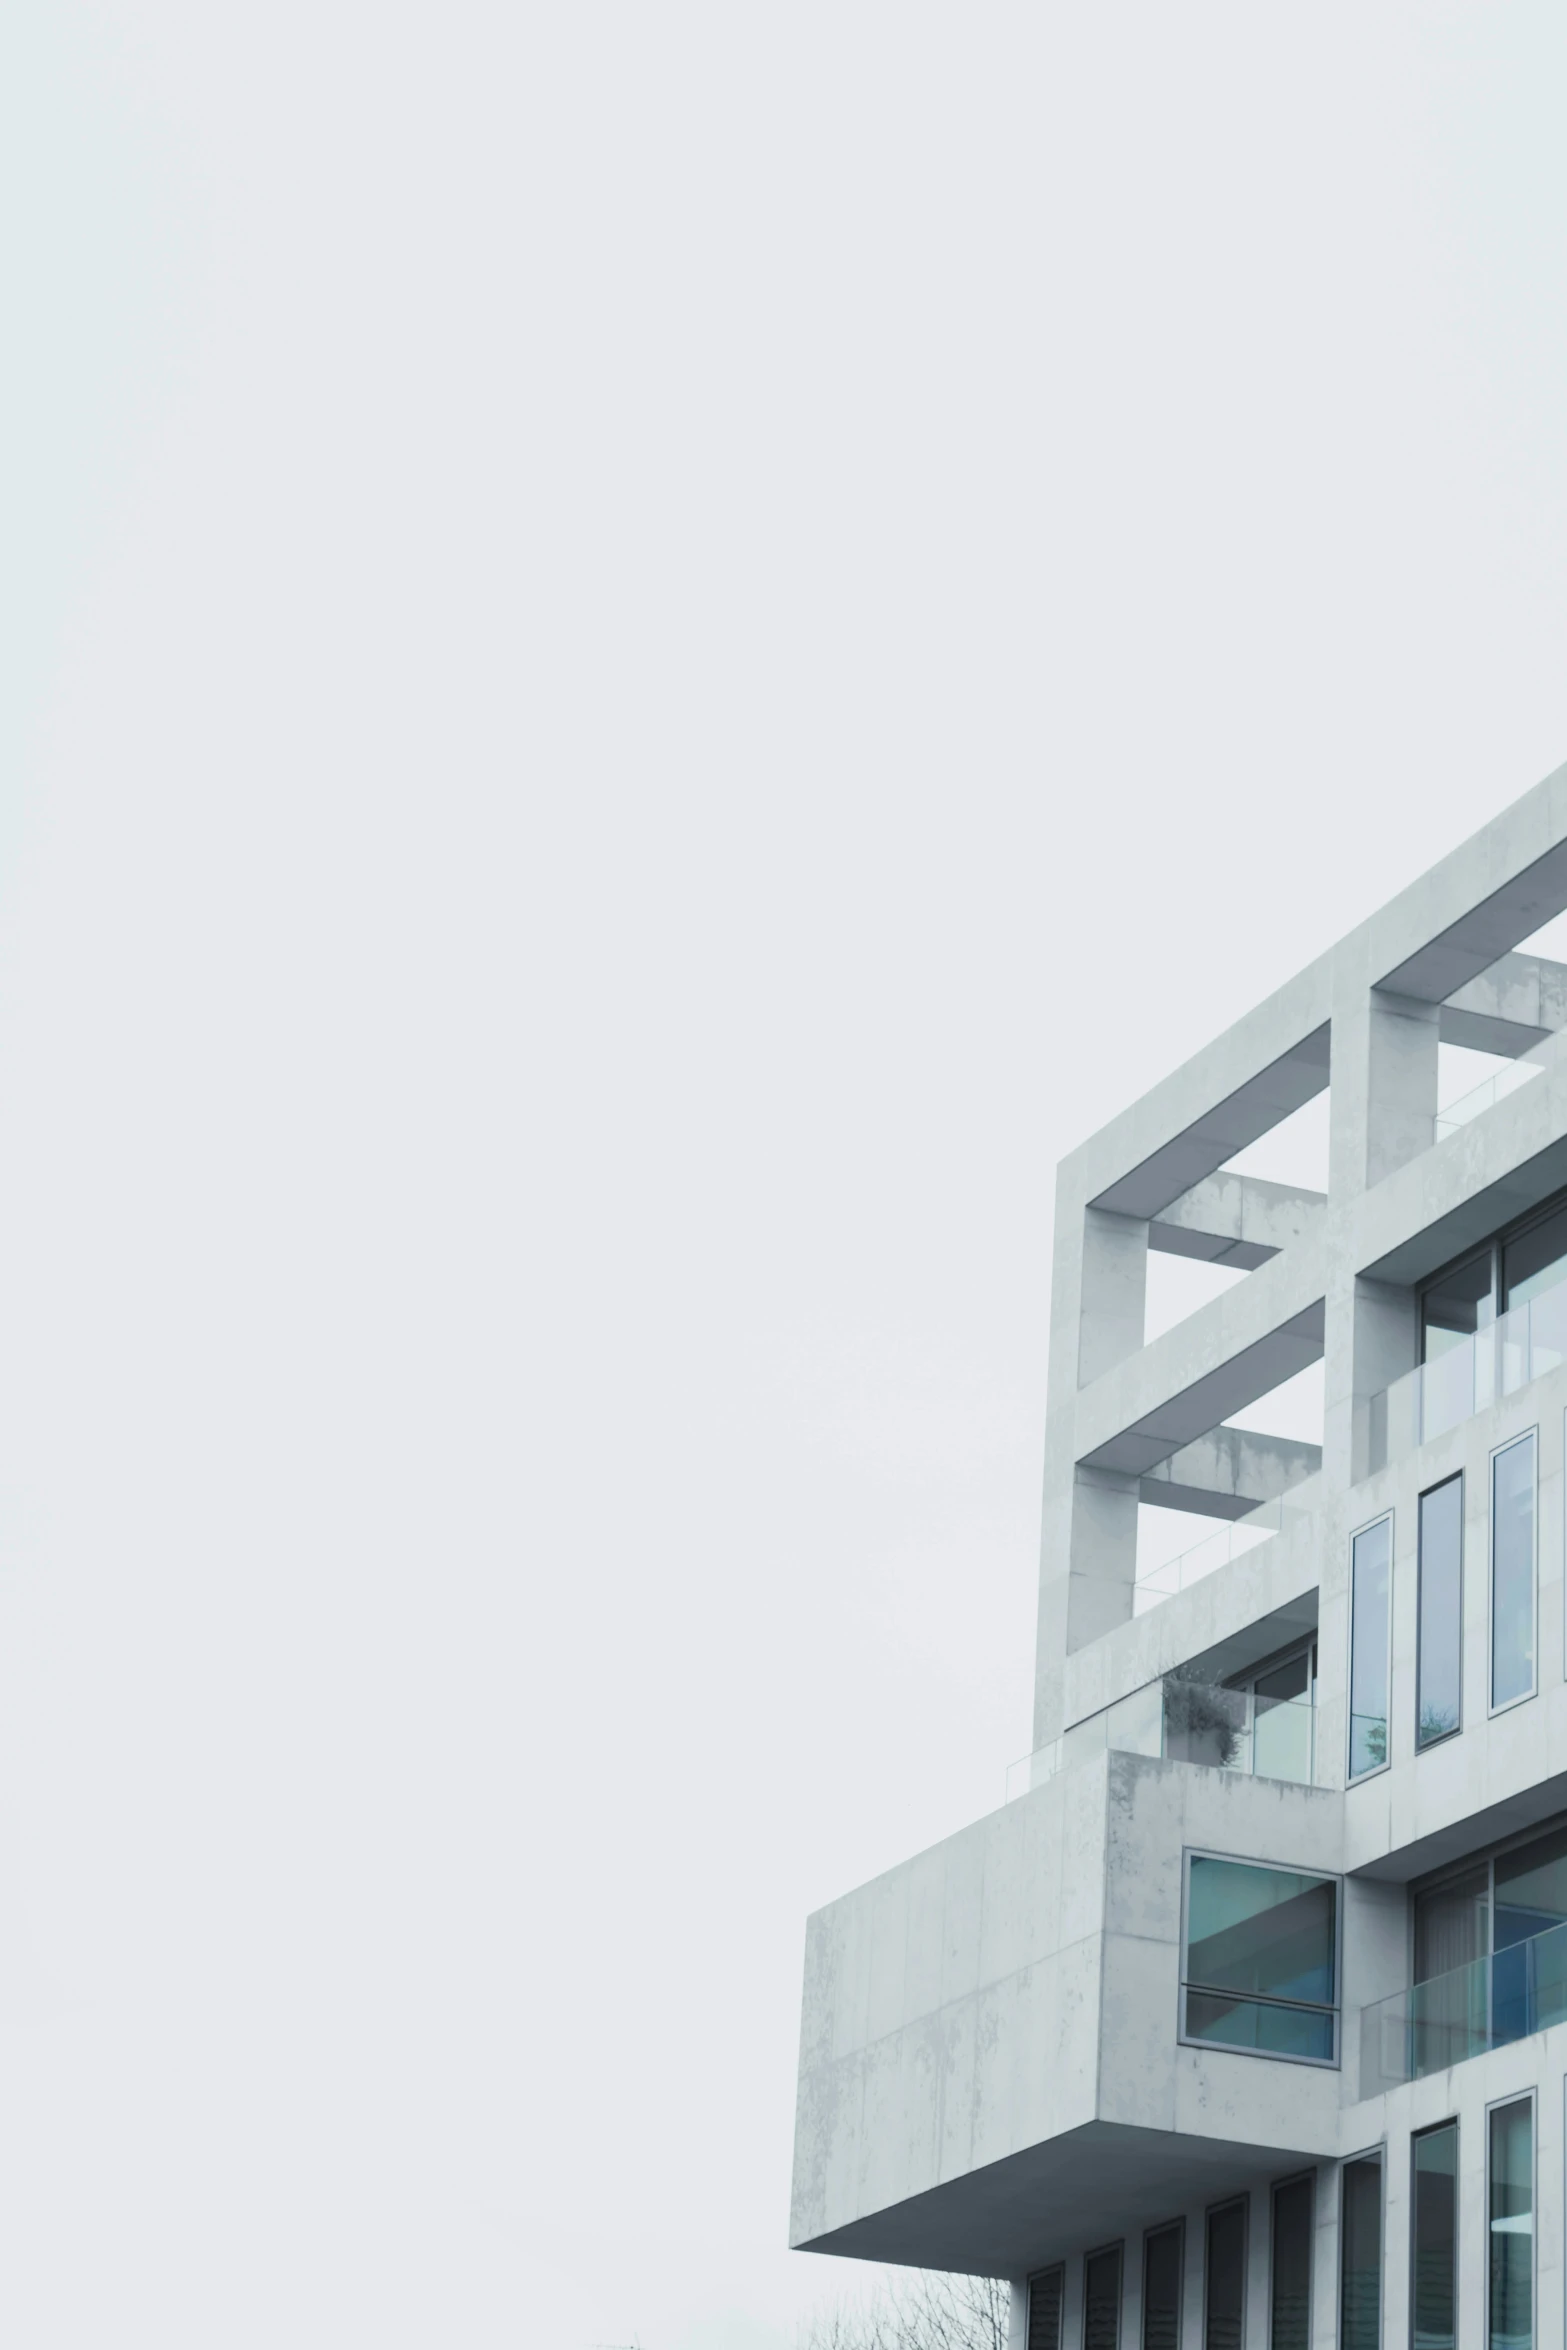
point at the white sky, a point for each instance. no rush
(649, 655)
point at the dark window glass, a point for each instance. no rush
(1371, 1566)
(1531, 1889)
(1536, 1260)
(1224, 2296)
(1162, 2288)
(1044, 2309)
(1512, 1571)
(1102, 2300)
(1452, 1924)
(1360, 2256)
(1289, 2316)
(1511, 2229)
(1453, 1308)
(1435, 2256)
(1439, 1702)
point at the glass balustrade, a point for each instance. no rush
(1494, 1089)
(1204, 1558)
(1492, 1362)
(1245, 1730)
(1483, 2005)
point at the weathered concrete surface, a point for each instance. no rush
(1235, 1220)
(1229, 1472)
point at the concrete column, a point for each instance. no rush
(1384, 1085)
(1112, 1293)
(1103, 1554)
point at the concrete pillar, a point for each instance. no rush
(1113, 1291)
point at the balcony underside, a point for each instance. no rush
(1015, 2215)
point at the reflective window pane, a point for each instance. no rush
(1283, 1702)
(1289, 2314)
(1435, 2253)
(1162, 2288)
(1453, 1308)
(1512, 1572)
(1102, 2300)
(1360, 2256)
(1371, 1564)
(1452, 1924)
(1510, 2217)
(1439, 1702)
(1536, 1260)
(1261, 1930)
(1224, 2285)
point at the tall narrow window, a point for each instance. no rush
(1162, 2250)
(1371, 1575)
(1289, 2315)
(1360, 2255)
(1439, 1697)
(1044, 2309)
(1224, 2295)
(1512, 1571)
(1102, 2299)
(1511, 2229)
(1434, 2282)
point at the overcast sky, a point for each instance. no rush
(650, 654)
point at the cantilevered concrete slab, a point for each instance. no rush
(1229, 1472)
(1510, 1008)
(1234, 1220)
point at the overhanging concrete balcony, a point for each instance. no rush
(990, 2058)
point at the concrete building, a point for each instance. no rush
(1244, 2019)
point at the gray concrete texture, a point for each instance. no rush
(991, 2074)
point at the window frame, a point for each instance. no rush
(1164, 2227)
(1429, 2130)
(1210, 2213)
(1497, 1245)
(1359, 1778)
(1117, 2245)
(1184, 2039)
(1456, 1476)
(1055, 2268)
(1529, 1435)
(1378, 2155)
(1493, 2105)
(1294, 2178)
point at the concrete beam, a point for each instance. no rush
(1518, 1003)
(1209, 1367)
(1526, 849)
(1229, 1472)
(1201, 1145)
(1234, 1220)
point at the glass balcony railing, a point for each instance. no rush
(1188, 1721)
(1492, 1362)
(1494, 1089)
(1485, 2004)
(1214, 1551)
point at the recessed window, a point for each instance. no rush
(1510, 2228)
(1439, 1705)
(1102, 2299)
(1260, 1966)
(1512, 1571)
(1224, 2282)
(1370, 1640)
(1045, 2296)
(1162, 2264)
(1434, 2251)
(1289, 2297)
(1360, 2255)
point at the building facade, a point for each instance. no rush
(1244, 2020)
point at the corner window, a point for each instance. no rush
(1260, 1960)
(1512, 1571)
(1510, 2227)
(1370, 1641)
(1439, 1704)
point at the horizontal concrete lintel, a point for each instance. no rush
(1492, 926)
(1218, 1129)
(1517, 1003)
(1234, 1220)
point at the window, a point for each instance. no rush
(1360, 2255)
(1289, 2295)
(1102, 2299)
(1162, 2264)
(1456, 1305)
(1510, 2228)
(1261, 1959)
(1224, 2285)
(1491, 1952)
(1371, 1586)
(1535, 1259)
(1044, 2309)
(1439, 1707)
(1512, 1571)
(1284, 1710)
(1433, 2284)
